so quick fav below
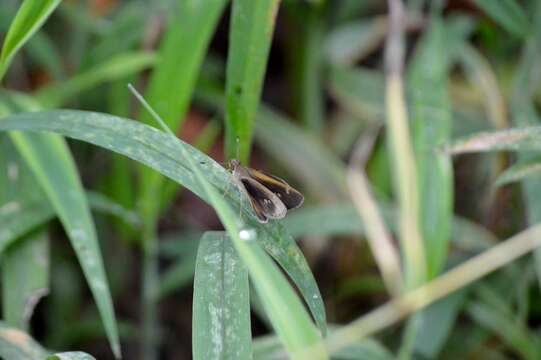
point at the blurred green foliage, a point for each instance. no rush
(298, 88)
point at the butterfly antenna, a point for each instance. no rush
(238, 148)
(154, 114)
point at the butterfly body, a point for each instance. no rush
(269, 195)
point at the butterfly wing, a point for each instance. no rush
(291, 197)
(266, 205)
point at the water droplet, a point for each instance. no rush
(247, 234)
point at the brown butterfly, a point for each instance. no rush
(270, 196)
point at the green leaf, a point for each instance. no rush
(171, 84)
(519, 171)
(100, 203)
(204, 142)
(21, 203)
(466, 340)
(177, 276)
(366, 285)
(438, 322)
(327, 220)
(251, 29)
(344, 134)
(480, 73)
(524, 113)
(86, 22)
(124, 32)
(117, 67)
(221, 302)
(351, 41)
(43, 51)
(509, 329)
(265, 346)
(72, 355)
(30, 16)
(180, 244)
(166, 155)
(289, 320)
(366, 349)
(286, 313)
(19, 217)
(274, 238)
(181, 52)
(268, 348)
(305, 55)
(170, 90)
(343, 219)
(49, 159)
(18, 345)
(304, 155)
(360, 91)
(432, 124)
(130, 138)
(518, 139)
(281, 246)
(25, 278)
(182, 247)
(508, 14)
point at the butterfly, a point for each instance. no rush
(270, 196)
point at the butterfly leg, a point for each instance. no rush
(231, 180)
(226, 193)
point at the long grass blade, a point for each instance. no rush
(117, 67)
(519, 139)
(50, 161)
(164, 154)
(30, 16)
(379, 237)
(508, 328)
(171, 84)
(25, 278)
(170, 90)
(524, 113)
(49, 158)
(508, 13)
(18, 218)
(290, 320)
(269, 348)
(305, 56)
(221, 305)
(251, 29)
(454, 279)
(519, 171)
(401, 150)
(431, 124)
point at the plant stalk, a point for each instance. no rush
(401, 149)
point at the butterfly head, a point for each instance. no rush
(234, 163)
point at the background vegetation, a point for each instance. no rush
(411, 128)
